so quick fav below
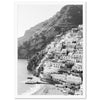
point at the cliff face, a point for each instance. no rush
(38, 37)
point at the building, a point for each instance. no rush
(52, 67)
(73, 79)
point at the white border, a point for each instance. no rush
(84, 53)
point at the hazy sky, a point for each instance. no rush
(30, 15)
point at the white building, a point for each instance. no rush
(77, 67)
(73, 79)
(51, 67)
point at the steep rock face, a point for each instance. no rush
(38, 37)
(63, 62)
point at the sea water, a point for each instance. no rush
(22, 74)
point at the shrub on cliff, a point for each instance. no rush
(35, 60)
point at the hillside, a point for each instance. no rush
(62, 65)
(39, 36)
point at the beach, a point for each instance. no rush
(43, 89)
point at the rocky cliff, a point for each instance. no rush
(38, 37)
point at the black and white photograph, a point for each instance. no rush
(51, 50)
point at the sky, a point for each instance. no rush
(30, 15)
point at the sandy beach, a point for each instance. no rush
(34, 89)
(43, 89)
